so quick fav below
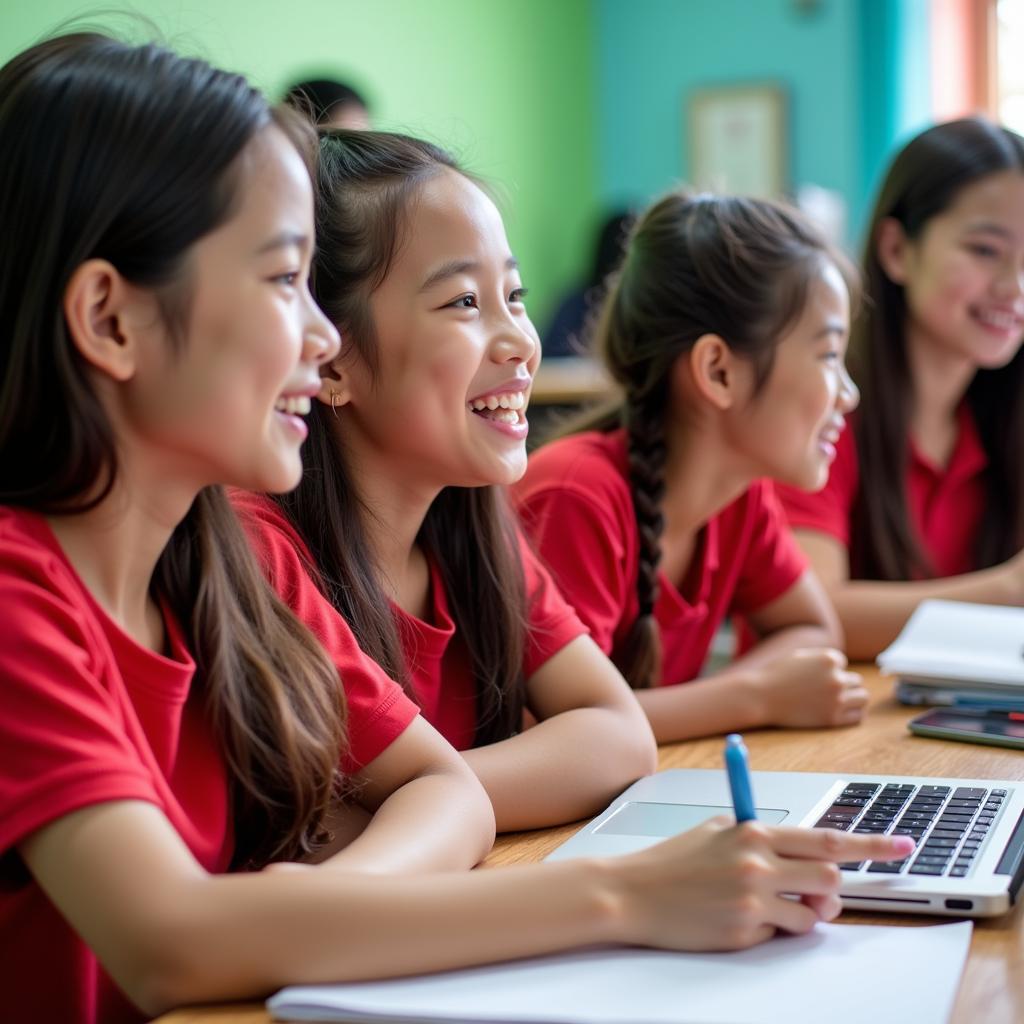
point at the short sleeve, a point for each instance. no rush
(584, 548)
(829, 510)
(378, 709)
(773, 562)
(552, 621)
(64, 731)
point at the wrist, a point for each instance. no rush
(749, 697)
(608, 887)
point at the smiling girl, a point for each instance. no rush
(725, 330)
(926, 498)
(400, 514)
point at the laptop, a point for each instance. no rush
(969, 859)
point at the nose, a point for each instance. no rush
(1010, 283)
(515, 340)
(849, 394)
(320, 339)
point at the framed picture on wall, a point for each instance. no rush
(738, 140)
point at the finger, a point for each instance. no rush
(826, 907)
(854, 680)
(850, 716)
(836, 657)
(790, 915)
(817, 878)
(828, 844)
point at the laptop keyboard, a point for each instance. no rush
(949, 825)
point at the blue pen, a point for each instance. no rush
(738, 770)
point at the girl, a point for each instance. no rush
(398, 514)
(725, 330)
(166, 721)
(926, 498)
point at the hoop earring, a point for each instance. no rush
(335, 395)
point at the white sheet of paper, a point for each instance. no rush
(843, 974)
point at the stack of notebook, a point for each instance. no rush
(950, 652)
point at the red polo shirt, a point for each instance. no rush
(438, 660)
(439, 666)
(945, 504)
(575, 502)
(89, 716)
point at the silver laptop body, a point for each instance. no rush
(969, 860)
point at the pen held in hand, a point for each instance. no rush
(737, 768)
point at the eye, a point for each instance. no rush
(518, 295)
(982, 250)
(289, 279)
(463, 302)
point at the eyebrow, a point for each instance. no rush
(454, 267)
(989, 227)
(283, 240)
(832, 327)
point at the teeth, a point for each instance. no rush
(294, 405)
(506, 416)
(512, 400)
(1002, 321)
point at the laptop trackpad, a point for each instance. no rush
(639, 818)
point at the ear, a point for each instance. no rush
(98, 309)
(891, 249)
(334, 383)
(714, 371)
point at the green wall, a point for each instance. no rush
(509, 87)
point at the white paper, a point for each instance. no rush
(843, 974)
(952, 641)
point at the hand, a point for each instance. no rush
(725, 886)
(809, 688)
(1013, 574)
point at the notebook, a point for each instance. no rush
(954, 652)
(968, 862)
(843, 974)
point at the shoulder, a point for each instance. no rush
(589, 466)
(32, 563)
(277, 544)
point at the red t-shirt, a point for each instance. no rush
(89, 717)
(439, 668)
(575, 501)
(945, 505)
(438, 660)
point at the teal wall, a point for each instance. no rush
(510, 87)
(855, 72)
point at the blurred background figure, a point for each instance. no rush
(330, 103)
(567, 334)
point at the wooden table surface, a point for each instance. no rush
(569, 380)
(992, 989)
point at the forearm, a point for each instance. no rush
(725, 702)
(873, 612)
(564, 768)
(435, 822)
(779, 643)
(245, 936)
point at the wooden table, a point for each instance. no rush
(992, 989)
(569, 380)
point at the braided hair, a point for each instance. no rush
(695, 265)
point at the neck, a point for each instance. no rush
(115, 547)
(395, 504)
(702, 476)
(940, 379)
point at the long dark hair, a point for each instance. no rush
(366, 183)
(695, 265)
(130, 154)
(924, 180)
